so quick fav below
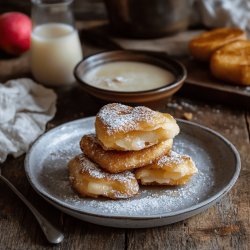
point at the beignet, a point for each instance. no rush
(90, 180)
(203, 46)
(172, 169)
(121, 127)
(118, 161)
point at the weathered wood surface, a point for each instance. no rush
(223, 226)
(226, 225)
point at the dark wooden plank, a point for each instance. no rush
(83, 235)
(13, 211)
(13, 67)
(225, 225)
(16, 219)
(200, 80)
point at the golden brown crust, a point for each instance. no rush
(121, 127)
(119, 161)
(171, 169)
(202, 47)
(89, 180)
(232, 63)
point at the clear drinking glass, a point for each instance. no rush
(55, 44)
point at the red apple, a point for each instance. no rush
(15, 32)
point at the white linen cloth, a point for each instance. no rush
(221, 13)
(25, 108)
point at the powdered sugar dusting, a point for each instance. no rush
(172, 159)
(49, 174)
(94, 171)
(150, 200)
(118, 117)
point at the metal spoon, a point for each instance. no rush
(52, 234)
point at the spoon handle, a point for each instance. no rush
(52, 234)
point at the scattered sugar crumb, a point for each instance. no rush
(188, 115)
(52, 178)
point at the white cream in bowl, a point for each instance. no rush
(128, 76)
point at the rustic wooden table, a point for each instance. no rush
(225, 225)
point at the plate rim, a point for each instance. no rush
(210, 200)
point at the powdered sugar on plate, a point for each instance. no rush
(153, 200)
(150, 200)
(49, 175)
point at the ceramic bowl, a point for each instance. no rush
(152, 97)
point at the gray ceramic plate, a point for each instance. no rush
(217, 160)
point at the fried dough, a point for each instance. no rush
(118, 161)
(121, 127)
(204, 45)
(90, 180)
(173, 169)
(232, 63)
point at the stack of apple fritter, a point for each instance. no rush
(131, 145)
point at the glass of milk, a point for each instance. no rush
(55, 44)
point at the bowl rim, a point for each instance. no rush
(149, 54)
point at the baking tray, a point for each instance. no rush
(201, 84)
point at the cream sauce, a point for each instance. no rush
(128, 76)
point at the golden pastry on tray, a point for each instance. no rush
(115, 161)
(121, 127)
(203, 46)
(172, 169)
(232, 63)
(90, 180)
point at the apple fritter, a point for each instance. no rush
(202, 47)
(118, 161)
(90, 180)
(172, 169)
(231, 63)
(121, 127)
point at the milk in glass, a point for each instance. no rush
(55, 51)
